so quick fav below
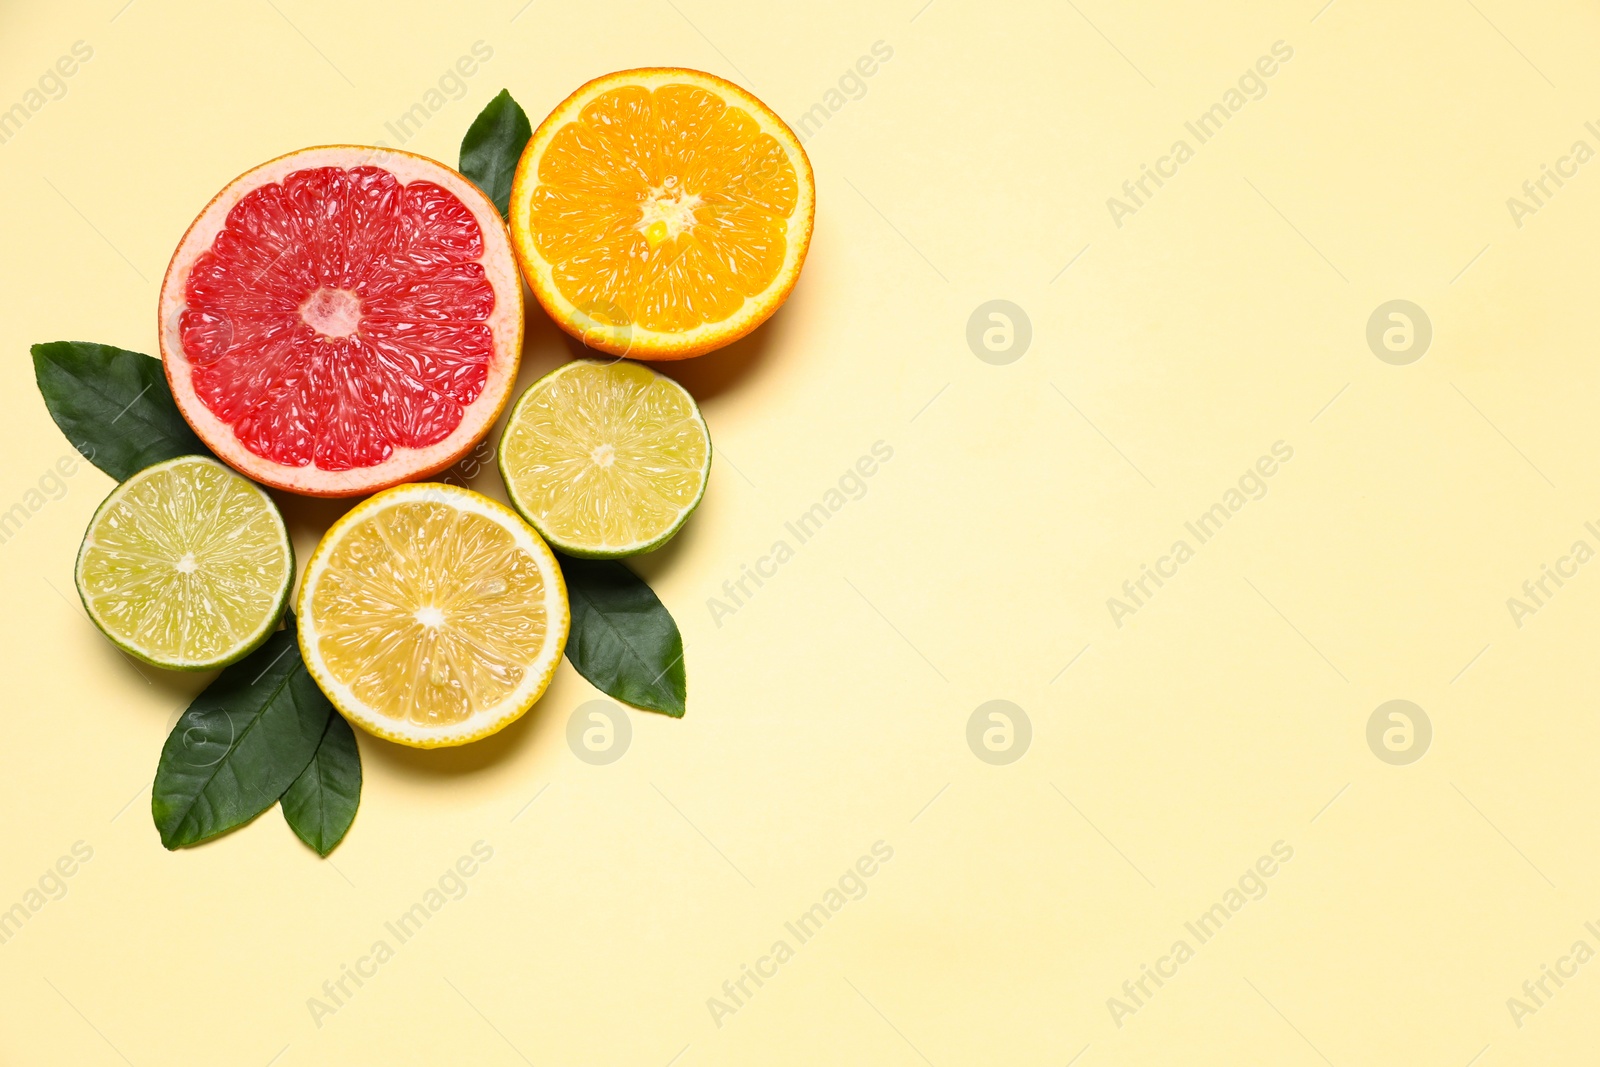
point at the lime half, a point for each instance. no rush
(605, 459)
(186, 565)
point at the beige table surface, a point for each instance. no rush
(1176, 741)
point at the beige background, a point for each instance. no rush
(1229, 713)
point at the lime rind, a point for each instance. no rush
(567, 545)
(128, 643)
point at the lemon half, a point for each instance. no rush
(432, 615)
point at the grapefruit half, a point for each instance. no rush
(342, 319)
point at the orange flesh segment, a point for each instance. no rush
(664, 208)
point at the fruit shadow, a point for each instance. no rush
(651, 565)
(707, 377)
(176, 689)
(710, 376)
(545, 346)
(472, 758)
(308, 518)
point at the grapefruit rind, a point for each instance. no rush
(483, 723)
(405, 464)
(254, 640)
(635, 341)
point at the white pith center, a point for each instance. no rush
(431, 617)
(666, 212)
(332, 312)
(603, 455)
(185, 565)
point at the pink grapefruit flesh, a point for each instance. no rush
(343, 319)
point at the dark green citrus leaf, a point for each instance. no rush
(113, 405)
(492, 146)
(322, 802)
(623, 639)
(240, 745)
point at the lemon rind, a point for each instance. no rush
(483, 723)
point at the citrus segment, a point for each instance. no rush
(432, 615)
(186, 565)
(342, 319)
(605, 459)
(661, 213)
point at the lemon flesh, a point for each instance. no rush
(432, 615)
(605, 459)
(186, 565)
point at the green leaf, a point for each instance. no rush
(240, 745)
(492, 146)
(322, 802)
(113, 405)
(623, 640)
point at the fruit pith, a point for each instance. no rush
(339, 325)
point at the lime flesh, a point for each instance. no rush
(186, 565)
(605, 459)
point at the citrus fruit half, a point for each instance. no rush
(186, 565)
(432, 615)
(605, 459)
(342, 319)
(661, 213)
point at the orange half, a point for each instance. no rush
(661, 213)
